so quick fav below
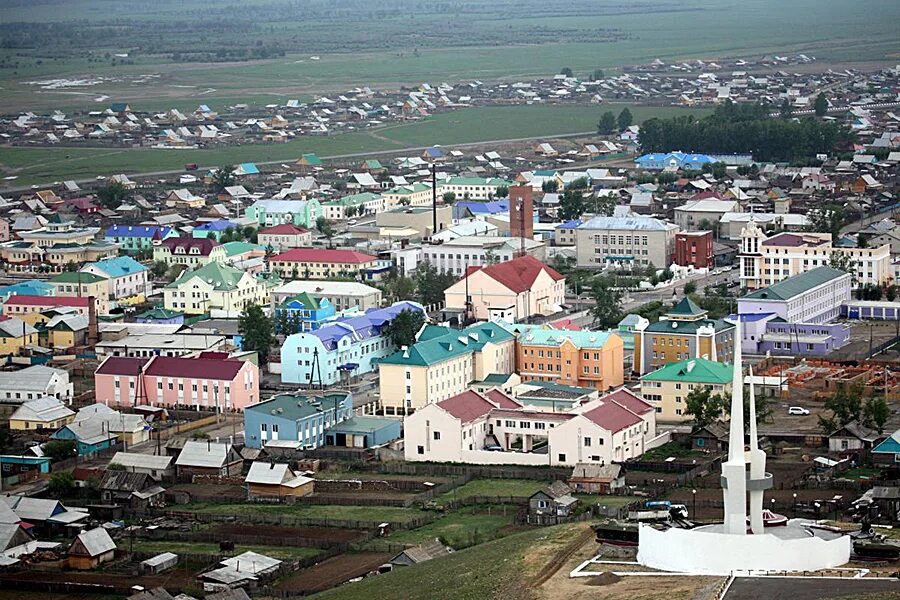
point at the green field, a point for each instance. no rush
(283, 552)
(521, 488)
(315, 511)
(397, 42)
(45, 165)
(461, 528)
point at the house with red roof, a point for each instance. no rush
(202, 382)
(521, 287)
(494, 428)
(322, 263)
(190, 251)
(284, 237)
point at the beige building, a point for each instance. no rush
(420, 218)
(624, 242)
(215, 286)
(667, 388)
(341, 294)
(284, 237)
(415, 194)
(524, 285)
(83, 285)
(703, 214)
(442, 363)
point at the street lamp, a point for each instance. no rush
(694, 507)
(795, 505)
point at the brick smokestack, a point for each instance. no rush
(93, 337)
(521, 212)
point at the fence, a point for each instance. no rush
(458, 470)
(256, 540)
(284, 520)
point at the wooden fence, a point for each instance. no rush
(284, 520)
(462, 470)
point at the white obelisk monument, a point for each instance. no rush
(734, 470)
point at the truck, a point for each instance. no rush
(191, 167)
(658, 510)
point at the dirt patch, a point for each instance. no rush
(329, 534)
(603, 579)
(332, 572)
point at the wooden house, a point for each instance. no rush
(91, 549)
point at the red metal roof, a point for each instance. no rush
(26, 300)
(121, 365)
(285, 229)
(467, 406)
(195, 368)
(612, 417)
(629, 400)
(517, 274)
(205, 245)
(501, 399)
(320, 255)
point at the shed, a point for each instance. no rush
(852, 437)
(591, 478)
(421, 553)
(91, 549)
(159, 563)
(276, 479)
(363, 432)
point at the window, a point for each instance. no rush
(562, 458)
(420, 449)
(587, 442)
(437, 435)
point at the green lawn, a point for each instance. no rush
(860, 473)
(45, 165)
(210, 548)
(495, 487)
(461, 528)
(314, 511)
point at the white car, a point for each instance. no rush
(798, 411)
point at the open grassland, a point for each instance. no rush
(45, 165)
(315, 511)
(462, 528)
(263, 50)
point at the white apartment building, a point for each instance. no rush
(625, 242)
(454, 256)
(767, 260)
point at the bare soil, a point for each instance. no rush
(332, 572)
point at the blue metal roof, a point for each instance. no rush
(120, 266)
(136, 231)
(485, 208)
(890, 445)
(220, 225)
(573, 224)
(249, 168)
(364, 326)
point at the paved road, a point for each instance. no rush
(811, 588)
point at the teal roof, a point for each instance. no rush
(160, 313)
(453, 343)
(492, 181)
(232, 248)
(796, 285)
(353, 199)
(363, 425)
(687, 308)
(430, 332)
(688, 327)
(695, 370)
(119, 266)
(890, 445)
(537, 336)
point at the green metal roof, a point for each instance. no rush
(695, 370)
(373, 164)
(687, 308)
(308, 302)
(221, 277)
(353, 199)
(539, 336)
(232, 248)
(160, 313)
(452, 344)
(688, 327)
(77, 277)
(796, 285)
(360, 425)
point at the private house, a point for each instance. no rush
(215, 286)
(135, 490)
(97, 427)
(184, 199)
(423, 552)
(684, 332)
(441, 364)
(302, 213)
(494, 429)
(188, 251)
(526, 284)
(572, 358)
(162, 316)
(159, 467)
(276, 480)
(16, 334)
(796, 316)
(126, 277)
(307, 312)
(203, 457)
(703, 214)
(83, 285)
(887, 453)
(768, 260)
(619, 242)
(91, 549)
(45, 515)
(347, 346)
(710, 438)
(852, 438)
(551, 505)
(343, 295)
(590, 478)
(237, 572)
(41, 414)
(297, 418)
(210, 381)
(319, 263)
(284, 237)
(667, 388)
(134, 238)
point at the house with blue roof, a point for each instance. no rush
(351, 345)
(27, 288)
(432, 153)
(477, 208)
(248, 168)
(564, 233)
(887, 453)
(127, 277)
(134, 238)
(659, 161)
(213, 229)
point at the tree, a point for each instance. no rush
(403, 329)
(550, 186)
(59, 449)
(566, 71)
(430, 283)
(785, 109)
(223, 178)
(604, 204)
(625, 119)
(326, 229)
(449, 197)
(607, 124)
(113, 195)
(875, 413)
(571, 205)
(827, 219)
(607, 310)
(845, 406)
(890, 293)
(159, 268)
(821, 105)
(61, 484)
(71, 267)
(690, 288)
(704, 407)
(843, 262)
(350, 211)
(256, 330)
(598, 74)
(397, 287)
(502, 191)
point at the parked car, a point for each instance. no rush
(798, 411)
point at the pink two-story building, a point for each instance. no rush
(210, 381)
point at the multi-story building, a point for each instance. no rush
(472, 188)
(703, 214)
(667, 388)
(319, 263)
(564, 233)
(418, 218)
(684, 332)
(25, 257)
(796, 316)
(574, 358)
(83, 285)
(298, 418)
(457, 255)
(215, 286)
(57, 232)
(189, 251)
(302, 213)
(134, 238)
(731, 224)
(524, 285)
(208, 381)
(365, 203)
(415, 194)
(442, 363)
(492, 428)
(127, 277)
(694, 249)
(342, 295)
(31, 308)
(308, 312)
(767, 260)
(624, 242)
(347, 346)
(284, 237)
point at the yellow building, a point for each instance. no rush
(16, 334)
(215, 286)
(41, 413)
(667, 388)
(315, 263)
(189, 251)
(416, 194)
(442, 363)
(83, 285)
